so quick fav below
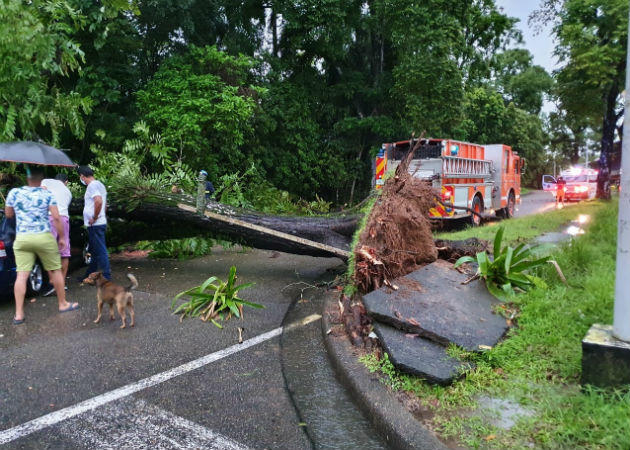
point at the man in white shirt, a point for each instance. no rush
(95, 221)
(58, 188)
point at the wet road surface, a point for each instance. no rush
(535, 202)
(66, 382)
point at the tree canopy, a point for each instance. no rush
(305, 91)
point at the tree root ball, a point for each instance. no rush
(397, 238)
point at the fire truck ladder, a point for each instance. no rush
(454, 167)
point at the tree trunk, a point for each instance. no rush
(608, 136)
(315, 236)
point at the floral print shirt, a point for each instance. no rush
(31, 208)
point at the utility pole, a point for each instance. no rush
(605, 348)
(621, 321)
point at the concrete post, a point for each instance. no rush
(201, 192)
(621, 321)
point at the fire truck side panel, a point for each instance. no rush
(507, 176)
(462, 197)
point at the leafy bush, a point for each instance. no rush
(214, 299)
(178, 248)
(252, 191)
(505, 271)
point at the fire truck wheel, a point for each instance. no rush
(511, 206)
(477, 206)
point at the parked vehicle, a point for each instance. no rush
(581, 184)
(38, 276)
(481, 178)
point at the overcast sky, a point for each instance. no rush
(541, 45)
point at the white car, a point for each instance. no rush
(580, 185)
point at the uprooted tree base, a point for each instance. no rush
(397, 238)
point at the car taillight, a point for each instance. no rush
(3, 250)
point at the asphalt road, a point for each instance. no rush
(66, 382)
(535, 202)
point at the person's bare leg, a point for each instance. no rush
(65, 262)
(56, 278)
(19, 291)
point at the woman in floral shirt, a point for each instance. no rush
(30, 205)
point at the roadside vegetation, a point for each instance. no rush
(537, 367)
(524, 229)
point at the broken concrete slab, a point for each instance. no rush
(415, 355)
(433, 302)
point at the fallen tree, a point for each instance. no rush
(144, 215)
(163, 216)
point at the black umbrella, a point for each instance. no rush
(34, 153)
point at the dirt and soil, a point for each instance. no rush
(397, 238)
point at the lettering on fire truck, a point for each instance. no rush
(481, 178)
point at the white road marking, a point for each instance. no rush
(53, 418)
(137, 425)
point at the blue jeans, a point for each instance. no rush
(98, 249)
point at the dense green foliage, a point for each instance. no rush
(591, 48)
(37, 49)
(538, 365)
(306, 91)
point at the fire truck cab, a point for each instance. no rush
(470, 177)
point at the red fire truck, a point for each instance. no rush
(481, 178)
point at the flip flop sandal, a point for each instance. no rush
(18, 321)
(70, 308)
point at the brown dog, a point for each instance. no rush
(108, 292)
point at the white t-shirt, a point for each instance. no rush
(61, 193)
(94, 189)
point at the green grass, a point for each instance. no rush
(350, 289)
(539, 364)
(528, 227)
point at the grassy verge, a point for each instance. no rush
(526, 228)
(538, 366)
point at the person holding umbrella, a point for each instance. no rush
(30, 206)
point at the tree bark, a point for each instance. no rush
(608, 136)
(295, 234)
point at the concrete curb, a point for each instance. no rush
(396, 425)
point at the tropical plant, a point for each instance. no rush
(214, 299)
(38, 51)
(179, 248)
(505, 272)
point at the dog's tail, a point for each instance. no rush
(134, 283)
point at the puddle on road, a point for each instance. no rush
(331, 419)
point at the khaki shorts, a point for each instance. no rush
(29, 246)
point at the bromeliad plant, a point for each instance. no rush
(213, 300)
(505, 272)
